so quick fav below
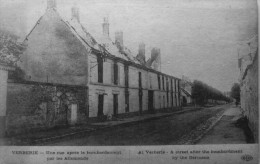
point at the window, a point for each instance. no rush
(126, 75)
(159, 82)
(140, 79)
(100, 69)
(167, 93)
(115, 74)
(171, 85)
(175, 86)
(163, 82)
(167, 84)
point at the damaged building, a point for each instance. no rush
(69, 77)
(248, 66)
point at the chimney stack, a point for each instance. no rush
(75, 13)
(156, 59)
(141, 53)
(106, 27)
(119, 40)
(51, 4)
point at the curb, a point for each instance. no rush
(78, 133)
(207, 130)
(189, 140)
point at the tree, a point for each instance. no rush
(10, 49)
(235, 92)
(202, 92)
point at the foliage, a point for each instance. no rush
(10, 49)
(202, 92)
(235, 92)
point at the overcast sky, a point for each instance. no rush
(197, 38)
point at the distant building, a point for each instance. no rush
(186, 88)
(227, 94)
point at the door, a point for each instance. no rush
(115, 102)
(100, 105)
(140, 92)
(140, 101)
(74, 110)
(126, 101)
(150, 101)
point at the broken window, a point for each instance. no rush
(159, 82)
(140, 80)
(100, 69)
(163, 82)
(115, 73)
(126, 75)
(167, 84)
(171, 85)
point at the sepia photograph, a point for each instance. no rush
(128, 74)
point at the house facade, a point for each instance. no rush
(69, 77)
(186, 90)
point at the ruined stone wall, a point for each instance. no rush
(36, 106)
(249, 96)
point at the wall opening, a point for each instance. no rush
(100, 69)
(100, 105)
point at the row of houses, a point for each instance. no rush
(66, 77)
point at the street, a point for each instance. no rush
(163, 131)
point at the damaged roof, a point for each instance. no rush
(102, 44)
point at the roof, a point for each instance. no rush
(110, 46)
(186, 92)
(75, 27)
(112, 49)
(103, 44)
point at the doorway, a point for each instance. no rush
(150, 101)
(115, 104)
(74, 110)
(140, 101)
(100, 105)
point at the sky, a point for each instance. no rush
(198, 38)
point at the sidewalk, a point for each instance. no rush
(227, 130)
(59, 133)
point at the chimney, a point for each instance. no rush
(154, 54)
(75, 13)
(156, 59)
(119, 40)
(106, 27)
(141, 53)
(51, 4)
